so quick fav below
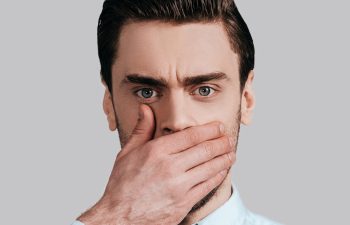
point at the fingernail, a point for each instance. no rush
(222, 128)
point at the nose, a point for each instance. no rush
(175, 115)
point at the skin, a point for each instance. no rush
(179, 122)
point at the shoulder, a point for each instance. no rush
(256, 219)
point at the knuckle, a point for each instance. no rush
(229, 159)
(224, 144)
(215, 128)
(208, 186)
(138, 130)
(218, 128)
(119, 155)
(227, 142)
(222, 175)
(192, 136)
(208, 149)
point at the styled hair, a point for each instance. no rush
(116, 13)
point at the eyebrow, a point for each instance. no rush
(198, 79)
(162, 83)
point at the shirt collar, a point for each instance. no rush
(231, 212)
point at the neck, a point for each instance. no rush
(222, 194)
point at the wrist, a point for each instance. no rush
(101, 214)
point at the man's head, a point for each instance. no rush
(191, 61)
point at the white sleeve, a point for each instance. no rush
(77, 223)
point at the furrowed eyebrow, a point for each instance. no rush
(195, 80)
(162, 83)
(145, 80)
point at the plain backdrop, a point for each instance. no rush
(57, 152)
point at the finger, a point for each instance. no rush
(203, 152)
(199, 191)
(182, 140)
(209, 169)
(143, 131)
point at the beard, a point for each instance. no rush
(233, 131)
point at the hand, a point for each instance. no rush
(158, 181)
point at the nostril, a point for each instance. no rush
(167, 131)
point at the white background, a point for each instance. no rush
(57, 152)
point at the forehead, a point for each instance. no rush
(168, 50)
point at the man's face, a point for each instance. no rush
(188, 75)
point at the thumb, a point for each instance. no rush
(144, 129)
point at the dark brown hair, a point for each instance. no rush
(116, 13)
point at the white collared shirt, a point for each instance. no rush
(232, 212)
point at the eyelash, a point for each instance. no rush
(213, 90)
(141, 89)
(205, 96)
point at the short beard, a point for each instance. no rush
(210, 195)
(123, 137)
(204, 200)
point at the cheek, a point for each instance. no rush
(127, 113)
(217, 111)
(224, 108)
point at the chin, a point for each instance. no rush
(204, 200)
(208, 197)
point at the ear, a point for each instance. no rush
(248, 100)
(108, 108)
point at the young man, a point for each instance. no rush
(178, 77)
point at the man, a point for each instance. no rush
(178, 76)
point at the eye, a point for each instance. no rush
(146, 93)
(204, 91)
